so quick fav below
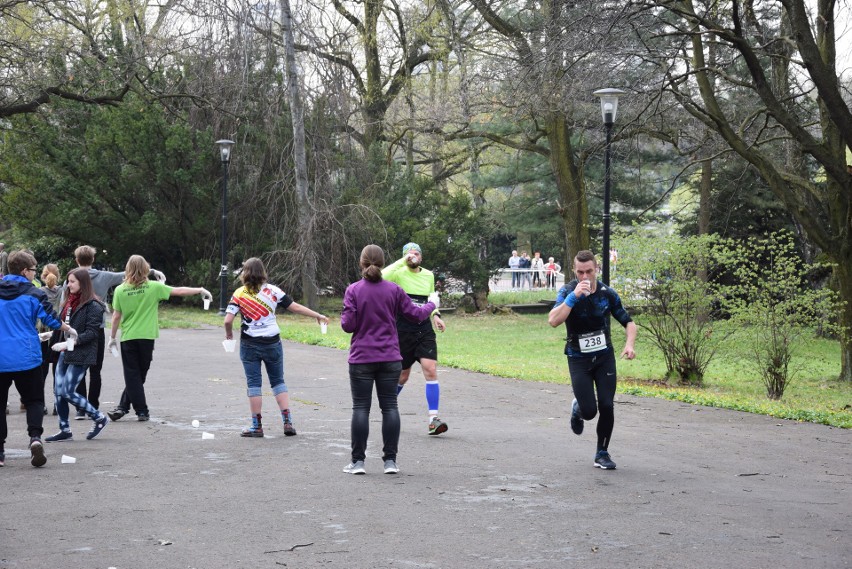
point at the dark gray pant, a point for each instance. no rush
(136, 356)
(361, 379)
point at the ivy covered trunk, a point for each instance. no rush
(573, 206)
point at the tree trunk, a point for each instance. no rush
(844, 280)
(374, 105)
(306, 230)
(573, 207)
(704, 207)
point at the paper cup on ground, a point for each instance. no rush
(323, 327)
(205, 436)
(68, 459)
(196, 423)
(230, 345)
(206, 304)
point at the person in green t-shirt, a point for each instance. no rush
(135, 305)
(417, 341)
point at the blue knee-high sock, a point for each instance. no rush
(433, 396)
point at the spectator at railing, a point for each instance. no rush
(551, 269)
(537, 269)
(514, 262)
(524, 267)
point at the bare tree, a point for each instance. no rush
(305, 228)
(774, 96)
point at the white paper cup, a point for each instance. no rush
(229, 345)
(205, 436)
(196, 423)
(68, 459)
(323, 327)
(206, 304)
(69, 344)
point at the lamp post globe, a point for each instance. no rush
(225, 156)
(609, 110)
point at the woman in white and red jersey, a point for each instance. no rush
(260, 340)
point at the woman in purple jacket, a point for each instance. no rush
(370, 308)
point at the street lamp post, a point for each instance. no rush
(225, 154)
(609, 109)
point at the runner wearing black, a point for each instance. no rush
(585, 305)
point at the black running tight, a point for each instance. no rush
(590, 374)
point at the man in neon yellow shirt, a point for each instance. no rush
(417, 342)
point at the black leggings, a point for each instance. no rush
(385, 375)
(590, 373)
(94, 393)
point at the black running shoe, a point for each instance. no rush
(116, 414)
(80, 415)
(602, 460)
(37, 452)
(576, 420)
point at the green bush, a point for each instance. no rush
(659, 276)
(772, 299)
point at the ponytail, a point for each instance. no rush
(372, 260)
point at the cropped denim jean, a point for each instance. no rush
(65, 391)
(252, 355)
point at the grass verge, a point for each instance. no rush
(525, 347)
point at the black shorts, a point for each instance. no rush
(416, 345)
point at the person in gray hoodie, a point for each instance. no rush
(102, 282)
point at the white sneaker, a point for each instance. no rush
(355, 468)
(391, 467)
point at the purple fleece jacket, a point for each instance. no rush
(369, 313)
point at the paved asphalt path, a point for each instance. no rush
(508, 486)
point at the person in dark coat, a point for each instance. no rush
(84, 312)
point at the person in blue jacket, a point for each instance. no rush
(21, 306)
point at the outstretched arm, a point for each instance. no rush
(305, 311)
(191, 291)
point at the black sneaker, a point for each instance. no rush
(143, 417)
(60, 436)
(576, 420)
(80, 415)
(99, 425)
(602, 460)
(2, 459)
(116, 414)
(37, 452)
